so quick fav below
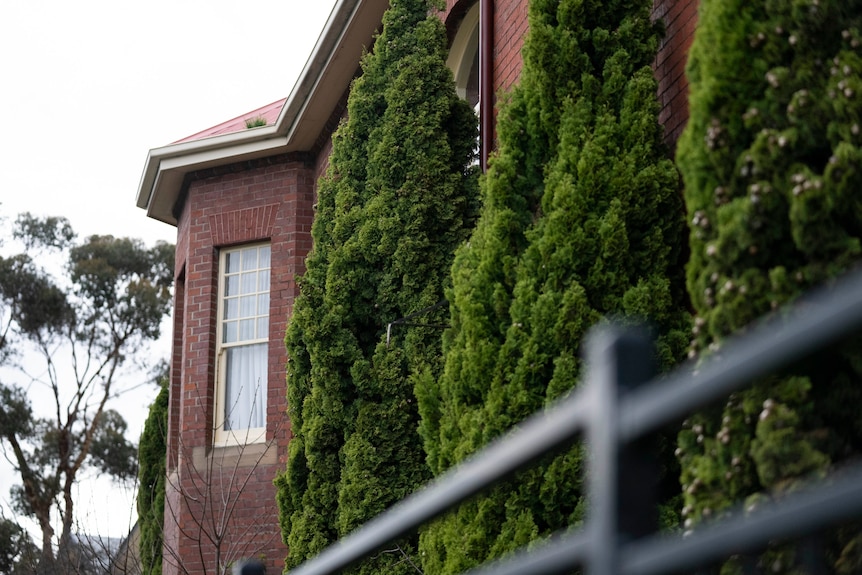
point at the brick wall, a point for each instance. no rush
(680, 19)
(269, 199)
(510, 27)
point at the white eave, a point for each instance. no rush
(326, 75)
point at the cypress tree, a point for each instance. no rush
(771, 165)
(152, 453)
(582, 219)
(399, 195)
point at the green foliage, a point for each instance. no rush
(109, 304)
(770, 160)
(399, 196)
(30, 296)
(256, 122)
(110, 451)
(51, 232)
(121, 277)
(152, 454)
(581, 220)
(18, 553)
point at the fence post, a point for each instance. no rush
(621, 478)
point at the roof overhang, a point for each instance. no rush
(328, 72)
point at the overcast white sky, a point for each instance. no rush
(87, 88)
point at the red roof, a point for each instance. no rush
(269, 113)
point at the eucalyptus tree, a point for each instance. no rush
(84, 326)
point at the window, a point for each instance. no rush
(464, 58)
(243, 336)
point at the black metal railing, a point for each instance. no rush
(618, 405)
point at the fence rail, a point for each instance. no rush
(618, 405)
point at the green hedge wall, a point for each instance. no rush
(399, 195)
(582, 220)
(152, 465)
(771, 164)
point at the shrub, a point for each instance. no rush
(582, 220)
(770, 160)
(399, 195)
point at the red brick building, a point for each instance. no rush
(242, 200)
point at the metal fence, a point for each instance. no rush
(617, 406)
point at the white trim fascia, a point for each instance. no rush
(167, 165)
(336, 27)
(188, 154)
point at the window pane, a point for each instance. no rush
(262, 327)
(229, 332)
(247, 306)
(231, 308)
(231, 261)
(231, 285)
(249, 259)
(246, 329)
(245, 387)
(264, 257)
(263, 280)
(249, 282)
(263, 304)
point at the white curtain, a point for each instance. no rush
(245, 387)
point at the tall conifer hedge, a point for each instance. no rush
(399, 195)
(772, 167)
(152, 474)
(582, 220)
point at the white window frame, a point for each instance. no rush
(234, 298)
